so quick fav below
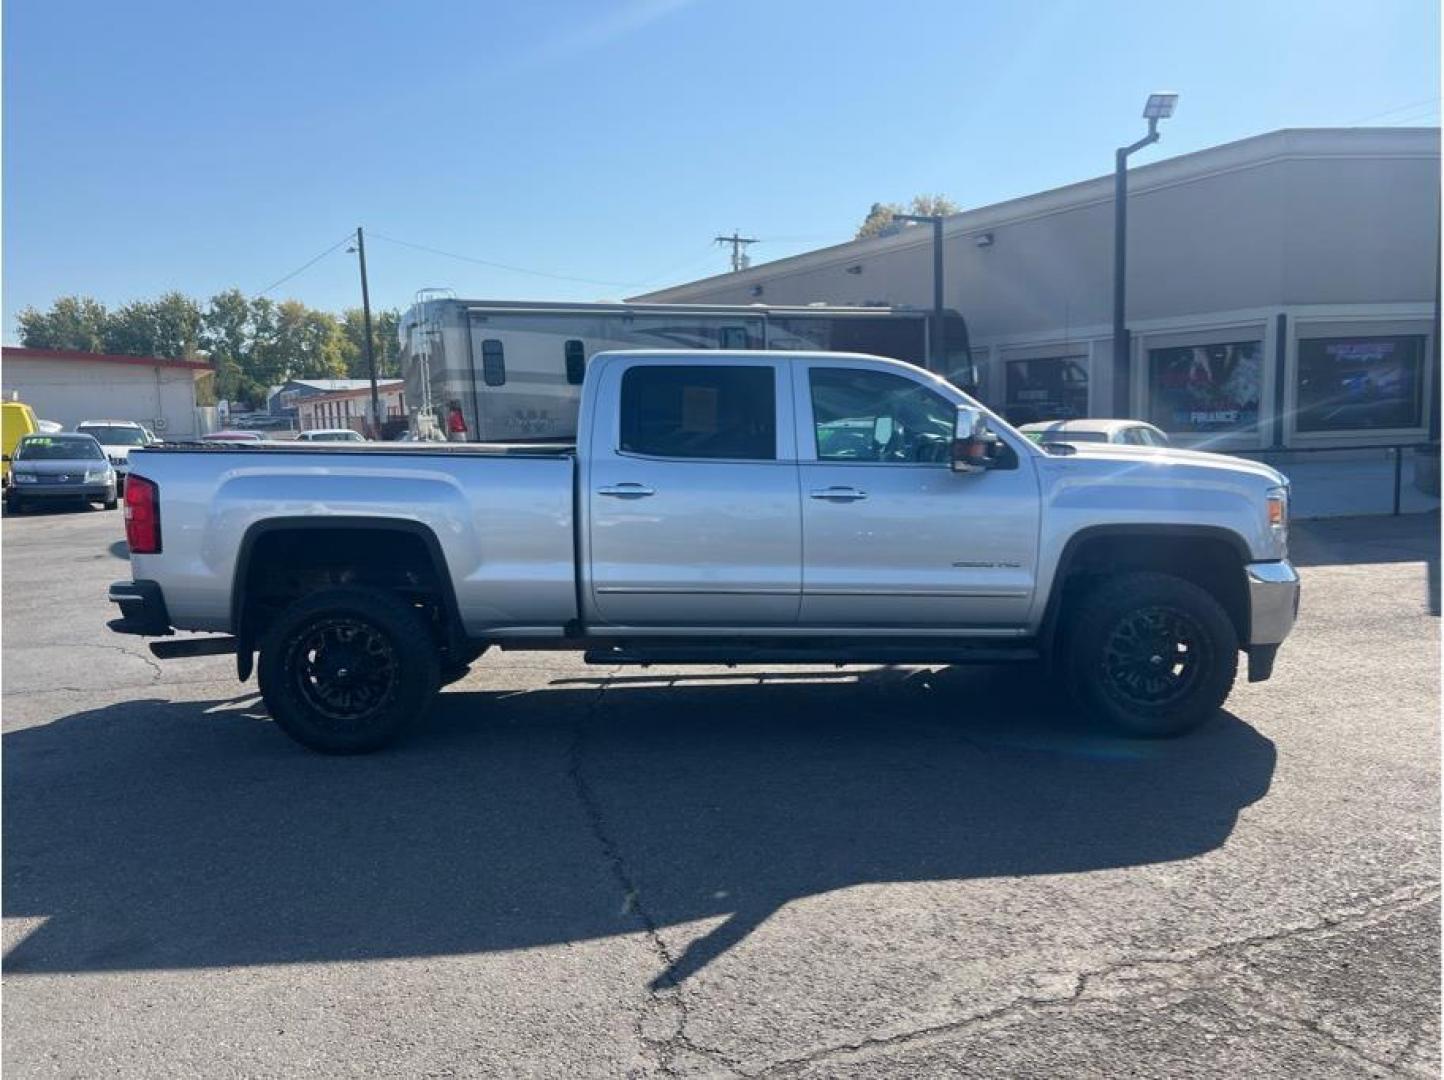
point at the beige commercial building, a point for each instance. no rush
(69, 387)
(1282, 291)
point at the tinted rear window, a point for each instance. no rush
(700, 412)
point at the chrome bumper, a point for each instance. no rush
(1273, 601)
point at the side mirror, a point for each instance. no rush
(972, 441)
(5, 458)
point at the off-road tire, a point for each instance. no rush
(345, 670)
(1150, 655)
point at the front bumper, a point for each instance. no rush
(142, 609)
(1273, 601)
(88, 492)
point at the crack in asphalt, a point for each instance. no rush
(156, 670)
(1348, 920)
(664, 994)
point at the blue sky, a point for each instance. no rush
(164, 145)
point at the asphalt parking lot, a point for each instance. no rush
(711, 872)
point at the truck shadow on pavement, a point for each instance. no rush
(153, 834)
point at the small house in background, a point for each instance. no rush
(68, 386)
(285, 400)
(351, 407)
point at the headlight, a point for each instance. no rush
(25, 478)
(97, 476)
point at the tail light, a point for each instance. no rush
(142, 516)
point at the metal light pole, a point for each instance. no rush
(1159, 107)
(360, 250)
(935, 339)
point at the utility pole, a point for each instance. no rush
(370, 346)
(739, 248)
(936, 350)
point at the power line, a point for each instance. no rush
(676, 268)
(504, 266)
(1399, 109)
(306, 265)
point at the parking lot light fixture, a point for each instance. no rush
(1159, 106)
(935, 334)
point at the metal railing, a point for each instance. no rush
(1397, 450)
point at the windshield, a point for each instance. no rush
(109, 435)
(52, 448)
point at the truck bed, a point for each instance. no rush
(500, 515)
(558, 448)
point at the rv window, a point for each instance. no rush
(576, 354)
(493, 363)
(734, 337)
(700, 412)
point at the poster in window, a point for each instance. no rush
(1054, 388)
(1205, 389)
(1359, 384)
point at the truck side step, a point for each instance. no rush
(203, 646)
(859, 652)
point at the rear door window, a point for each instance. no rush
(700, 412)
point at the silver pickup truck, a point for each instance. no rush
(717, 508)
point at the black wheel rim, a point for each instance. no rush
(1154, 656)
(344, 669)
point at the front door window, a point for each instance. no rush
(874, 416)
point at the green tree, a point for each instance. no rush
(228, 336)
(73, 322)
(879, 220)
(296, 342)
(384, 339)
(169, 327)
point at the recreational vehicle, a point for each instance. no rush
(497, 371)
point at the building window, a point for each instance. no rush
(700, 412)
(1360, 383)
(1205, 389)
(576, 357)
(493, 363)
(1052, 388)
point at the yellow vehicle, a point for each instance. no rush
(18, 421)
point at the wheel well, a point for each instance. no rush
(279, 565)
(1211, 562)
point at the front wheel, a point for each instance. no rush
(1150, 654)
(343, 671)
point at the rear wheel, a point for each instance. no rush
(343, 671)
(1150, 654)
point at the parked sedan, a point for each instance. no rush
(46, 468)
(232, 437)
(330, 435)
(1127, 432)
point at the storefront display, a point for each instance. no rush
(1206, 389)
(1360, 383)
